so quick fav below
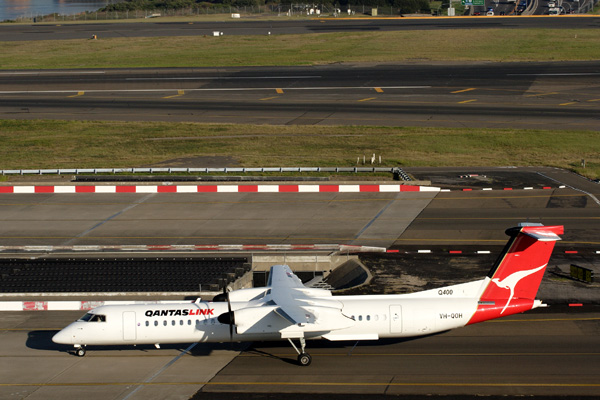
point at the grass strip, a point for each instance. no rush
(89, 144)
(500, 45)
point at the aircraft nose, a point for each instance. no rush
(62, 337)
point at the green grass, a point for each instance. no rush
(70, 144)
(439, 45)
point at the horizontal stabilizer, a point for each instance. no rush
(542, 233)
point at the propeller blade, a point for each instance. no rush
(231, 319)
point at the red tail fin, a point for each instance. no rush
(513, 282)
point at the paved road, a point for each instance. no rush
(60, 31)
(505, 95)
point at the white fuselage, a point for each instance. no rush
(370, 318)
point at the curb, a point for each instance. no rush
(217, 189)
(300, 188)
(198, 247)
(72, 305)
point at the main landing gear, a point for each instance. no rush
(304, 358)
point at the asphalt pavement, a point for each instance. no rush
(60, 31)
(561, 95)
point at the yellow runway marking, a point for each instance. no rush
(568, 104)
(368, 98)
(305, 383)
(544, 320)
(269, 98)
(464, 90)
(593, 100)
(78, 94)
(467, 101)
(179, 93)
(541, 94)
(279, 91)
(424, 354)
(379, 90)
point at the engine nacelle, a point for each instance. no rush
(254, 320)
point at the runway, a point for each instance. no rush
(493, 95)
(60, 31)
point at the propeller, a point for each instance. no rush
(229, 316)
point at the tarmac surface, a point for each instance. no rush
(553, 352)
(537, 353)
(562, 95)
(61, 31)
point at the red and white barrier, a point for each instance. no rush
(79, 305)
(343, 248)
(250, 188)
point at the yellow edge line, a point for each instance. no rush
(541, 94)
(368, 98)
(568, 104)
(78, 94)
(464, 90)
(304, 383)
(467, 101)
(179, 93)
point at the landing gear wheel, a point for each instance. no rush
(80, 352)
(304, 359)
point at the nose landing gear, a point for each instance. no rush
(79, 351)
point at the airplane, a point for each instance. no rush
(287, 310)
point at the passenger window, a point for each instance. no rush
(155, 323)
(173, 322)
(368, 317)
(165, 322)
(376, 317)
(147, 323)
(360, 317)
(189, 321)
(180, 322)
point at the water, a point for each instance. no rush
(13, 9)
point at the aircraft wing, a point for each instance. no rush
(300, 307)
(281, 276)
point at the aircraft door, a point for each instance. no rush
(395, 319)
(129, 328)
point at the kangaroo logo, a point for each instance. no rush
(511, 281)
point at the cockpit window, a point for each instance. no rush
(86, 317)
(89, 317)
